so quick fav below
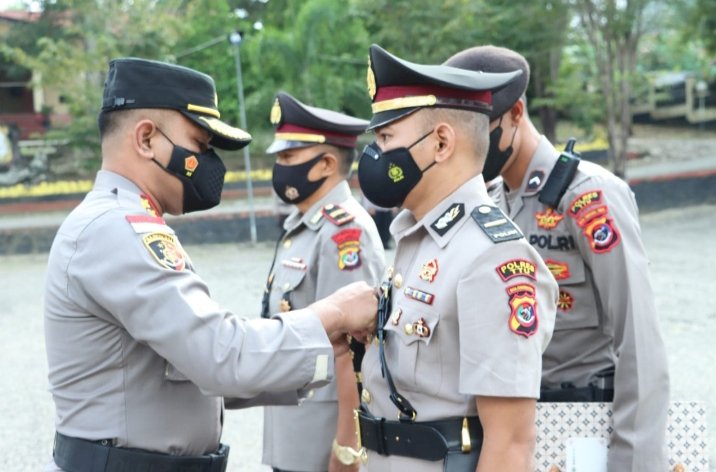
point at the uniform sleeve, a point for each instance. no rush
(609, 238)
(348, 254)
(119, 274)
(506, 318)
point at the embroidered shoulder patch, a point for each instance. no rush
(348, 242)
(495, 224)
(523, 317)
(147, 224)
(602, 235)
(337, 215)
(516, 268)
(448, 219)
(583, 201)
(165, 250)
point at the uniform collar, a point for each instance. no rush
(444, 220)
(538, 170)
(313, 218)
(107, 180)
(540, 166)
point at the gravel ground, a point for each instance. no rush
(681, 266)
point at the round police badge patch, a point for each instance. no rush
(165, 250)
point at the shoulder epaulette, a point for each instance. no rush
(496, 225)
(337, 215)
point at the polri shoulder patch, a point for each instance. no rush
(337, 215)
(495, 224)
(448, 219)
(348, 242)
(165, 250)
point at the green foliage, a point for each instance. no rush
(317, 49)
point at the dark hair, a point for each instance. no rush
(106, 123)
(346, 156)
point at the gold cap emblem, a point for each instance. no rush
(275, 113)
(371, 81)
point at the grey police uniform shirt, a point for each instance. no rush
(137, 350)
(606, 315)
(333, 244)
(458, 327)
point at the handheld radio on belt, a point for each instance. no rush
(561, 176)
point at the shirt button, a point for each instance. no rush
(408, 328)
(398, 281)
(286, 286)
(365, 396)
(310, 394)
(287, 243)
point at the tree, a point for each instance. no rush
(72, 54)
(614, 29)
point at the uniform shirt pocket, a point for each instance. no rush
(286, 282)
(576, 305)
(418, 356)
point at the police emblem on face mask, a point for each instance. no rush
(190, 165)
(291, 192)
(165, 250)
(523, 318)
(395, 173)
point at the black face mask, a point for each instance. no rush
(496, 159)
(291, 182)
(386, 178)
(201, 174)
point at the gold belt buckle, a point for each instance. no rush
(363, 454)
(466, 442)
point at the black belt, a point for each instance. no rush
(80, 455)
(577, 394)
(426, 440)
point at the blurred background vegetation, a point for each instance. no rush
(586, 55)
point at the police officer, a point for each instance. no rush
(607, 344)
(329, 240)
(139, 355)
(468, 306)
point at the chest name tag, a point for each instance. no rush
(495, 224)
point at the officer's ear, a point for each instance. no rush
(517, 112)
(445, 139)
(329, 164)
(144, 132)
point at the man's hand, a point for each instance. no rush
(350, 309)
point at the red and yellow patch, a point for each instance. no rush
(548, 219)
(590, 214)
(165, 250)
(348, 242)
(560, 270)
(149, 205)
(429, 271)
(602, 235)
(565, 301)
(523, 317)
(516, 268)
(583, 201)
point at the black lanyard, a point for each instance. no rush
(269, 281)
(407, 412)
